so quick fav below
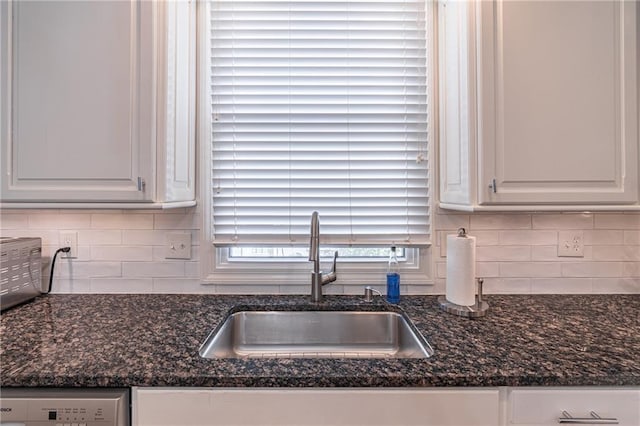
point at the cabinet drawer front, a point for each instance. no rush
(545, 406)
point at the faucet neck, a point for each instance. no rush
(314, 242)
(317, 278)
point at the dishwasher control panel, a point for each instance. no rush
(65, 407)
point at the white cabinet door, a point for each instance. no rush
(545, 406)
(98, 103)
(77, 101)
(559, 102)
(318, 407)
(538, 104)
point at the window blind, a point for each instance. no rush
(319, 105)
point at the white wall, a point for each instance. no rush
(124, 251)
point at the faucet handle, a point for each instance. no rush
(331, 276)
(335, 257)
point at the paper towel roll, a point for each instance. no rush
(461, 269)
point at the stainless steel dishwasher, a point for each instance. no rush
(64, 407)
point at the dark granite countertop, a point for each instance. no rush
(153, 340)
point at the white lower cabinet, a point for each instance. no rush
(523, 406)
(552, 406)
(322, 407)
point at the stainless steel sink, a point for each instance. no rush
(316, 334)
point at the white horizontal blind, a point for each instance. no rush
(319, 105)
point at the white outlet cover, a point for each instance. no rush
(69, 239)
(570, 244)
(178, 245)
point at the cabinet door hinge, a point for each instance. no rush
(141, 184)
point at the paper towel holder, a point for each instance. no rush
(479, 309)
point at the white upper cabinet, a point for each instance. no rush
(97, 103)
(538, 105)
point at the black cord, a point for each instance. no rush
(53, 265)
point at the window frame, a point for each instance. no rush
(290, 276)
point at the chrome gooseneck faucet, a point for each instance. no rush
(317, 279)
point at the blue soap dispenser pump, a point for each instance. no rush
(393, 278)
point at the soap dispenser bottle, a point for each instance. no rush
(393, 278)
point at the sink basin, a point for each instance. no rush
(316, 334)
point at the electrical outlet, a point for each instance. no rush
(178, 245)
(69, 239)
(570, 244)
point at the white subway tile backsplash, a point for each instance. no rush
(545, 254)
(87, 237)
(616, 285)
(60, 221)
(70, 285)
(550, 254)
(624, 253)
(159, 253)
(503, 253)
(507, 286)
(83, 254)
(592, 269)
(121, 221)
(293, 289)
(79, 269)
(561, 285)
(336, 289)
(146, 237)
(49, 238)
(563, 221)
(246, 289)
(486, 238)
(177, 221)
(617, 221)
(532, 238)
(631, 269)
(153, 269)
(129, 285)
(487, 269)
(416, 290)
(500, 221)
(483, 238)
(603, 237)
(452, 222)
(530, 269)
(181, 286)
(632, 238)
(439, 287)
(13, 221)
(191, 269)
(124, 251)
